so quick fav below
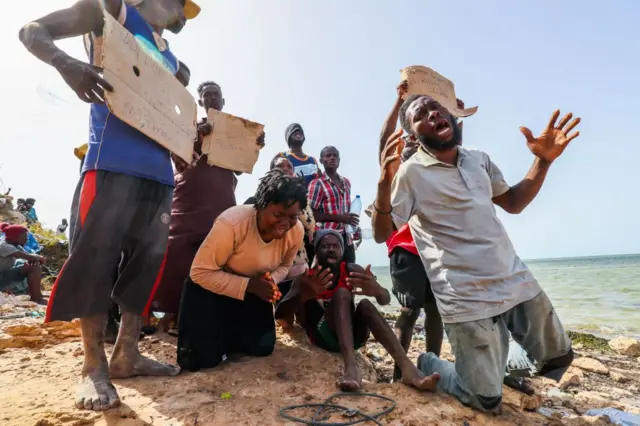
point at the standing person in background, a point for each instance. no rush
(201, 194)
(120, 212)
(330, 198)
(62, 228)
(304, 165)
(31, 215)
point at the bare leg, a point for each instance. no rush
(95, 391)
(34, 281)
(404, 331)
(383, 334)
(126, 360)
(433, 328)
(341, 323)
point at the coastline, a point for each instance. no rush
(39, 366)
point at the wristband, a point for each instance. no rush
(380, 211)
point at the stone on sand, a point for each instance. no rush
(625, 346)
(591, 365)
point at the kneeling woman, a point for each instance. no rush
(227, 303)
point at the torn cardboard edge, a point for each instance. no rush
(146, 95)
(422, 80)
(233, 143)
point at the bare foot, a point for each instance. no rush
(124, 366)
(351, 380)
(95, 391)
(40, 300)
(418, 380)
(520, 384)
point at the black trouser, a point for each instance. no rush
(349, 253)
(211, 325)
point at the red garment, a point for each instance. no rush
(402, 238)
(13, 232)
(201, 193)
(342, 283)
(327, 197)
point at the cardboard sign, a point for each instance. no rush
(232, 144)
(425, 81)
(145, 94)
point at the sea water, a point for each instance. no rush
(599, 295)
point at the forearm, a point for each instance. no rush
(83, 17)
(389, 126)
(39, 42)
(325, 217)
(280, 273)
(521, 194)
(220, 282)
(384, 298)
(26, 256)
(382, 224)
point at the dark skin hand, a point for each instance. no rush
(264, 288)
(304, 288)
(547, 147)
(364, 284)
(350, 218)
(83, 17)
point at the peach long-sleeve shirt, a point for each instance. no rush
(233, 252)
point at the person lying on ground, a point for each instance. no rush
(301, 262)
(19, 271)
(483, 289)
(333, 321)
(120, 211)
(227, 302)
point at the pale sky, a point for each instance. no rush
(333, 67)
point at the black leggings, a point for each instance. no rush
(211, 325)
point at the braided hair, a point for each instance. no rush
(276, 187)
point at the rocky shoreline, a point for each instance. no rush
(39, 365)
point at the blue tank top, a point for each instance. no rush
(114, 145)
(306, 167)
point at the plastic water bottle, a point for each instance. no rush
(356, 208)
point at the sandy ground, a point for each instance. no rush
(39, 366)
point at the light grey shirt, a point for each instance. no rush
(6, 260)
(468, 256)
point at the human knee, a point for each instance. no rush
(488, 403)
(365, 306)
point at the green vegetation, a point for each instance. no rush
(589, 341)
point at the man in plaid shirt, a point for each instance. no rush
(330, 199)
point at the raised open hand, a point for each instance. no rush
(390, 158)
(554, 138)
(364, 283)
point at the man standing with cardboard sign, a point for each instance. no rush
(122, 202)
(201, 194)
(483, 290)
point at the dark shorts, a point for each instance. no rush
(118, 223)
(321, 335)
(410, 283)
(211, 326)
